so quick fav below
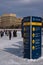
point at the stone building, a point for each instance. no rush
(0, 21)
(10, 20)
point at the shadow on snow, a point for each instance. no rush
(16, 51)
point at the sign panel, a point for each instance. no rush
(31, 31)
(36, 38)
(26, 36)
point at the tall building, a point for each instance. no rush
(8, 20)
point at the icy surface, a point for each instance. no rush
(11, 52)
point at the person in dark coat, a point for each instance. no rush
(9, 35)
(2, 33)
(14, 33)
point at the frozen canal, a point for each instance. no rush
(11, 52)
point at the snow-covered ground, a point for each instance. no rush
(11, 52)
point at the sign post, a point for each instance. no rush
(31, 31)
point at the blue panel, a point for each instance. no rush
(36, 19)
(36, 53)
(36, 46)
(27, 29)
(26, 19)
(27, 46)
(27, 53)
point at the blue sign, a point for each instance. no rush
(36, 38)
(31, 31)
(36, 19)
(36, 42)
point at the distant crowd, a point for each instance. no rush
(8, 33)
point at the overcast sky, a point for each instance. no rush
(22, 7)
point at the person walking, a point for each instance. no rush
(14, 33)
(2, 33)
(9, 35)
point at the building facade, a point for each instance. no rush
(10, 20)
(0, 21)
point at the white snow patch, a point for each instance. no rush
(15, 45)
